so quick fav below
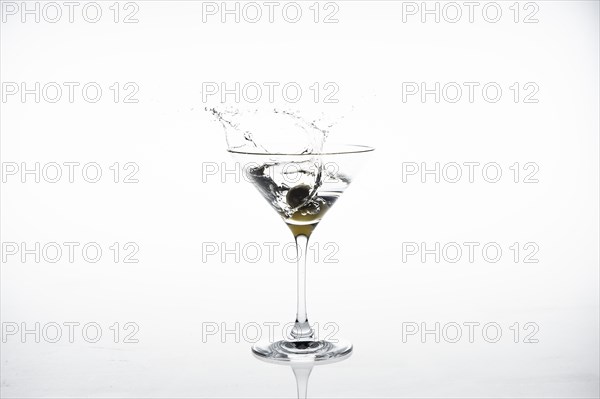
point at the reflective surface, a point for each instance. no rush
(303, 369)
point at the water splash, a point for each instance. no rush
(290, 184)
(272, 130)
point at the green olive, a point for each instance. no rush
(296, 196)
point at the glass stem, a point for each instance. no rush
(301, 328)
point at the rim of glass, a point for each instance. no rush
(346, 149)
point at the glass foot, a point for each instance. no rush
(300, 351)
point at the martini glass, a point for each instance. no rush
(302, 188)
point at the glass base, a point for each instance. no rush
(302, 351)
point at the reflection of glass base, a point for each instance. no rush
(299, 351)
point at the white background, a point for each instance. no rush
(172, 211)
